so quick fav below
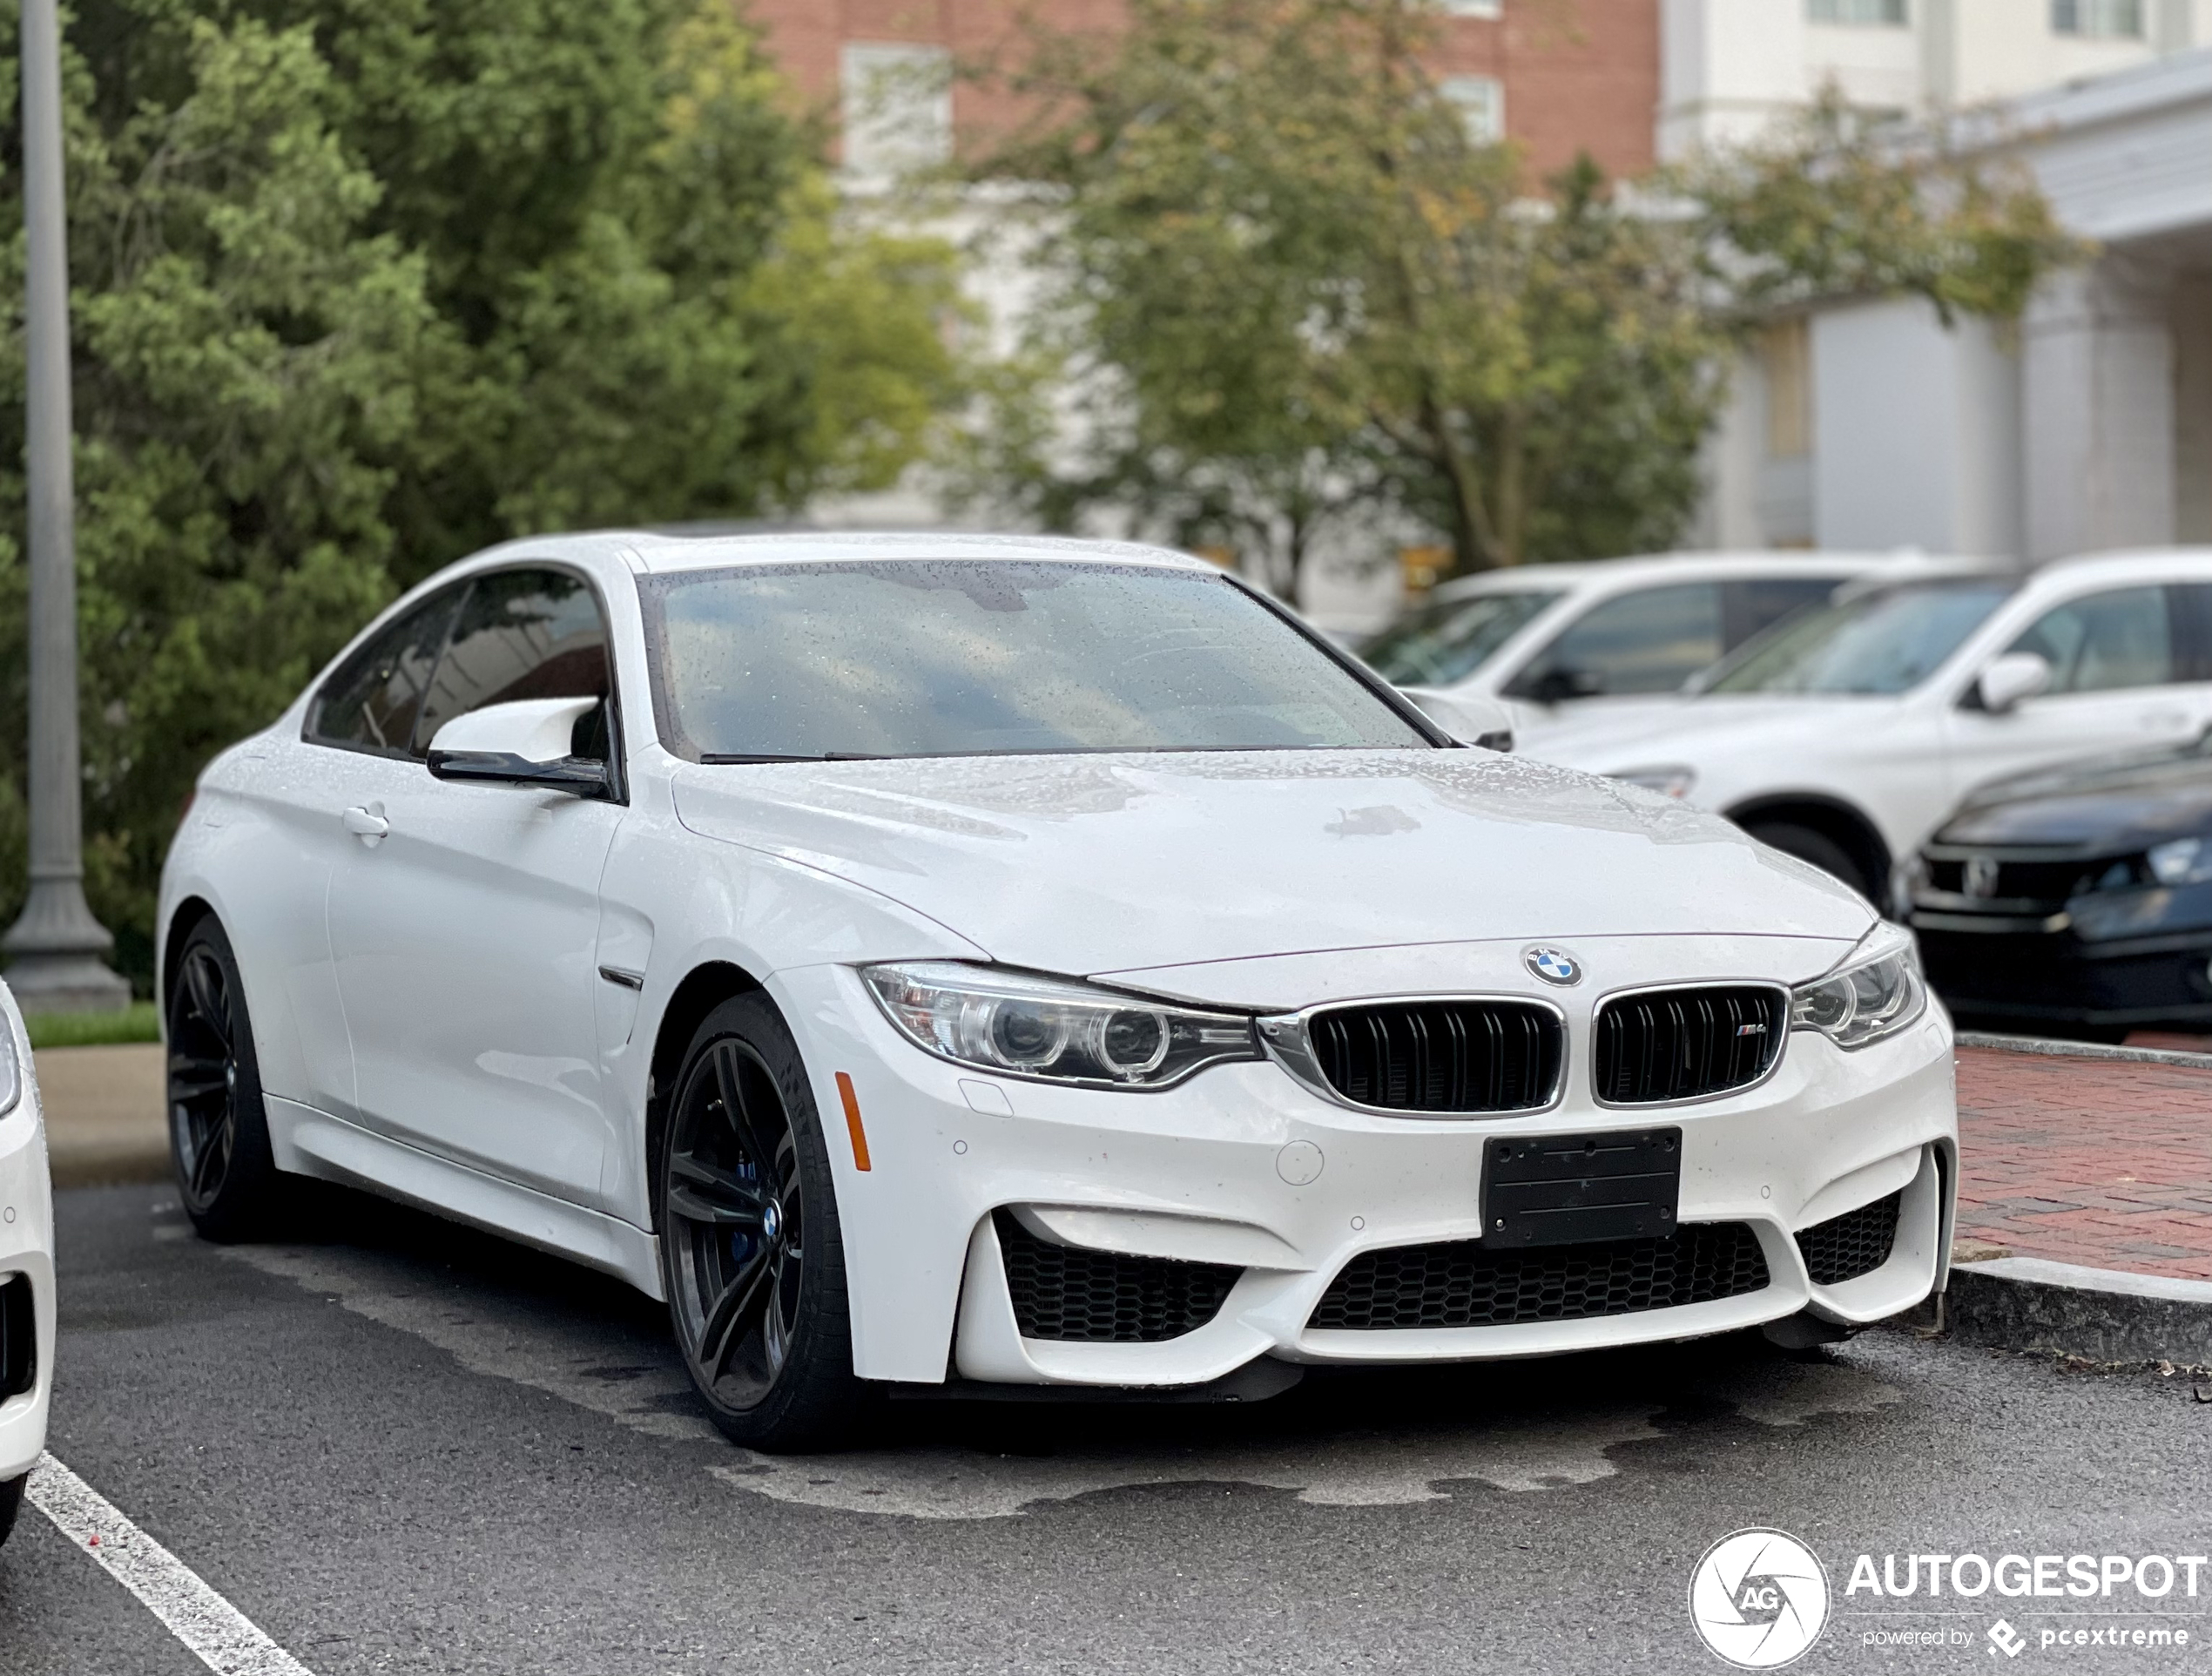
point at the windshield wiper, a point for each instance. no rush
(725, 758)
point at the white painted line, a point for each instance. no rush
(220, 1635)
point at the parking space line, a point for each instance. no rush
(220, 1635)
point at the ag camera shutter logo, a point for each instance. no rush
(1759, 1598)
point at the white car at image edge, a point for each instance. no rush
(26, 1266)
(973, 964)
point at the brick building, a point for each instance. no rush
(1557, 76)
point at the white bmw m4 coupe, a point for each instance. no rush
(958, 964)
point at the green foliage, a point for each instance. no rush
(1290, 288)
(140, 1022)
(360, 285)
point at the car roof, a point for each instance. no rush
(659, 552)
(1677, 567)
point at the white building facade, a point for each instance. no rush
(2088, 425)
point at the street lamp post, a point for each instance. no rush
(57, 948)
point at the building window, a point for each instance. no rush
(1474, 7)
(1786, 359)
(1481, 102)
(1857, 12)
(2103, 19)
(897, 101)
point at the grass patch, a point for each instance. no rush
(140, 1022)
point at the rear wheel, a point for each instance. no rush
(1818, 848)
(750, 1252)
(10, 1500)
(219, 1130)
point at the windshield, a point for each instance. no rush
(959, 658)
(1447, 640)
(1885, 642)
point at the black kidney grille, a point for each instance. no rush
(18, 1339)
(1857, 1242)
(1684, 1044)
(1104, 1297)
(1461, 1284)
(1440, 1056)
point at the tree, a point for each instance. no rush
(361, 285)
(1285, 283)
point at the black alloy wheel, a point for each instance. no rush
(219, 1134)
(750, 1249)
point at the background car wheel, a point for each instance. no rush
(10, 1503)
(1818, 848)
(219, 1132)
(750, 1252)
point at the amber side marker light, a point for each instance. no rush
(852, 1121)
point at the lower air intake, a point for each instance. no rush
(1857, 1242)
(18, 1339)
(1104, 1297)
(1461, 1284)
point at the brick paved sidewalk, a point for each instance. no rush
(2102, 1162)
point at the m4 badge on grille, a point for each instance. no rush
(1553, 965)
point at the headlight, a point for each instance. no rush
(2185, 861)
(1014, 1025)
(1668, 782)
(1876, 992)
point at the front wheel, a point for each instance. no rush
(219, 1132)
(750, 1253)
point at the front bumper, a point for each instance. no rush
(1221, 1171)
(26, 1265)
(2059, 976)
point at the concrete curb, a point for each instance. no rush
(2106, 1314)
(103, 1107)
(1974, 1038)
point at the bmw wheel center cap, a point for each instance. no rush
(1553, 965)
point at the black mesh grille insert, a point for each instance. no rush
(1103, 1297)
(1440, 1056)
(1857, 1242)
(18, 1339)
(1463, 1285)
(1683, 1044)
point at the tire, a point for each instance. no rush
(10, 1503)
(752, 1255)
(1818, 848)
(219, 1128)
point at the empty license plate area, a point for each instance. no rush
(1559, 1190)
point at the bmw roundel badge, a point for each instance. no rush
(1554, 965)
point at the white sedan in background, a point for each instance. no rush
(1846, 735)
(26, 1267)
(1561, 643)
(978, 964)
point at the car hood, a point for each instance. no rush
(1096, 864)
(2130, 804)
(1692, 728)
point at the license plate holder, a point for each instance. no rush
(1562, 1190)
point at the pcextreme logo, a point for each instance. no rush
(1759, 1598)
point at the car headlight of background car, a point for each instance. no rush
(1876, 992)
(2180, 860)
(1019, 1024)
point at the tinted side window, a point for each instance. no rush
(2191, 603)
(370, 701)
(522, 635)
(2105, 641)
(1753, 606)
(1650, 641)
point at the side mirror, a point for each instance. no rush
(1557, 686)
(1466, 717)
(2014, 676)
(530, 742)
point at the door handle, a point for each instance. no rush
(367, 824)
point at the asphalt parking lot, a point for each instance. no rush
(397, 1446)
